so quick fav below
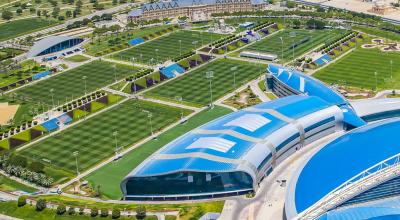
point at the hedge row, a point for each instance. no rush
(138, 75)
(183, 56)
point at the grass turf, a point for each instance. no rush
(19, 27)
(194, 87)
(168, 47)
(94, 138)
(110, 176)
(77, 58)
(7, 184)
(311, 38)
(70, 84)
(358, 69)
(378, 32)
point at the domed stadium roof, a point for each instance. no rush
(341, 160)
(46, 43)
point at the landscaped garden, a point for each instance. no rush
(166, 47)
(94, 139)
(194, 87)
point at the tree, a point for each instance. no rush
(315, 24)
(290, 4)
(61, 209)
(68, 14)
(104, 212)
(115, 2)
(21, 201)
(94, 212)
(79, 3)
(40, 205)
(71, 211)
(296, 23)
(140, 212)
(56, 12)
(61, 18)
(116, 213)
(6, 15)
(39, 13)
(81, 211)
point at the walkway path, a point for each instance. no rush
(256, 89)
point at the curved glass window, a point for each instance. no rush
(188, 183)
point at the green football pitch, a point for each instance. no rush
(304, 41)
(110, 176)
(19, 27)
(358, 69)
(194, 87)
(94, 139)
(168, 47)
(71, 84)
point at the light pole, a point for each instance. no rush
(149, 115)
(76, 153)
(115, 133)
(115, 72)
(391, 69)
(293, 35)
(52, 97)
(195, 46)
(282, 48)
(376, 81)
(156, 55)
(210, 75)
(180, 47)
(134, 75)
(233, 69)
(179, 99)
(84, 79)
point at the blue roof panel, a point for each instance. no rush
(358, 150)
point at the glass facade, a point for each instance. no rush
(188, 183)
(61, 46)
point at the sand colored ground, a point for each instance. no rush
(7, 112)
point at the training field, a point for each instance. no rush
(194, 87)
(168, 47)
(23, 26)
(110, 176)
(304, 39)
(70, 84)
(358, 69)
(94, 138)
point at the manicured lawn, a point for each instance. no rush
(19, 27)
(77, 58)
(187, 211)
(94, 138)
(194, 87)
(358, 69)
(168, 47)
(305, 40)
(7, 184)
(110, 176)
(70, 84)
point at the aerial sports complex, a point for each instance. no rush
(233, 154)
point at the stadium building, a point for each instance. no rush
(364, 185)
(195, 10)
(53, 44)
(233, 154)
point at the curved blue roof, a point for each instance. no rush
(229, 138)
(387, 209)
(47, 42)
(344, 158)
(306, 84)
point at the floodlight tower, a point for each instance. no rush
(282, 48)
(210, 75)
(179, 99)
(234, 69)
(76, 153)
(115, 72)
(115, 133)
(84, 79)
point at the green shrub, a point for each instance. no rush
(21, 201)
(61, 209)
(94, 212)
(71, 211)
(104, 212)
(141, 212)
(18, 160)
(116, 213)
(81, 209)
(40, 205)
